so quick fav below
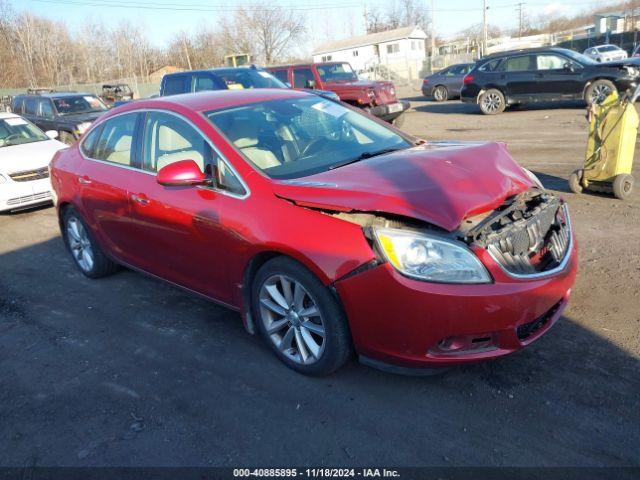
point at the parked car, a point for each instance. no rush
(231, 78)
(544, 74)
(25, 153)
(606, 53)
(447, 83)
(376, 97)
(330, 231)
(115, 94)
(68, 113)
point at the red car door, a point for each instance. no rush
(104, 179)
(176, 230)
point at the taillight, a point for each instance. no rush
(425, 81)
(467, 79)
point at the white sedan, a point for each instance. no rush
(606, 53)
(25, 153)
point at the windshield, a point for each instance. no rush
(17, 130)
(69, 105)
(297, 137)
(608, 48)
(337, 72)
(580, 58)
(239, 79)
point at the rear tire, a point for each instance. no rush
(67, 138)
(441, 94)
(492, 102)
(575, 180)
(623, 186)
(86, 252)
(299, 318)
(598, 91)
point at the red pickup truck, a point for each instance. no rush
(377, 98)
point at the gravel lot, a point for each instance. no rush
(130, 371)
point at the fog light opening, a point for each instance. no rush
(464, 344)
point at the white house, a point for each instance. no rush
(402, 51)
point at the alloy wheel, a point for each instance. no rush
(492, 102)
(292, 319)
(439, 94)
(599, 93)
(80, 244)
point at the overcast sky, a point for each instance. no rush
(327, 19)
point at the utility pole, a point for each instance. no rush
(520, 14)
(484, 27)
(433, 35)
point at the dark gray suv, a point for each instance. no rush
(447, 83)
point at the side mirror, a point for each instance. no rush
(569, 66)
(183, 173)
(52, 134)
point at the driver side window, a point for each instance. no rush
(169, 139)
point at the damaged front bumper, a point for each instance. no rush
(528, 248)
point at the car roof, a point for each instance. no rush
(213, 99)
(214, 70)
(4, 115)
(55, 94)
(525, 51)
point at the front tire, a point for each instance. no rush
(299, 318)
(492, 102)
(440, 94)
(86, 252)
(66, 138)
(598, 91)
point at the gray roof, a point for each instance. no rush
(370, 39)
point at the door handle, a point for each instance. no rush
(84, 180)
(140, 199)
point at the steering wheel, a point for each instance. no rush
(312, 147)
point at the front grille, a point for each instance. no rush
(528, 236)
(29, 198)
(30, 175)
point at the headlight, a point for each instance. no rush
(534, 178)
(429, 258)
(2, 178)
(83, 127)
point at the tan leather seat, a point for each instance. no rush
(121, 151)
(170, 140)
(244, 135)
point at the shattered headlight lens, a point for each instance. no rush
(430, 258)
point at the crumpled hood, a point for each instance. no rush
(439, 183)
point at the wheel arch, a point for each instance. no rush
(491, 86)
(589, 82)
(257, 261)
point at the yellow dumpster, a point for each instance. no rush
(613, 126)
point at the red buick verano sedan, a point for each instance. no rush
(330, 231)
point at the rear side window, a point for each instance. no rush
(18, 105)
(46, 109)
(551, 62)
(281, 75)
(115, 143)
(90, 141)
(522, 63)
(490, 66)
(206, 81)
(176, 84)
(30, 106)
(302, 78)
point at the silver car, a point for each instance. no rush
(446, 83)
(606, 53)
